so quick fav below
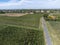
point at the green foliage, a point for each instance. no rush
(45, 15)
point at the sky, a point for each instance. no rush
(29, 4)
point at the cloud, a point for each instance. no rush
(31, 4)
(12, 2)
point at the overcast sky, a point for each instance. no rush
(29, 4)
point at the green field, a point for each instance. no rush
(54, 30)
(24, 30)
(30, 20)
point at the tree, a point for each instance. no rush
(2, 12)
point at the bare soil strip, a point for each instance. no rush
(13, 14)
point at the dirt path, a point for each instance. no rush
(46, 33)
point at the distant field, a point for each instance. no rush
(22, 30)
(58, 15)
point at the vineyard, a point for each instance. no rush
(21, 36)
(22, 30)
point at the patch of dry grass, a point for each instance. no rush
(54, 31)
